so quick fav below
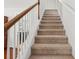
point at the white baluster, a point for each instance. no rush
(19, 40)
(21, 47)
(25, 32)
(14, 47)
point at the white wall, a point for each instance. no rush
(13, 7)
(18, 3)
(47, 4)
(67, 12)
(12, 12)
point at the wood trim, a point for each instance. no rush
(17, 18)
(5, 53)
(11, 53)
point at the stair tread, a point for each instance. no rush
(47, 16)
(51, 57)
(50, 18)
(51, 36)
(50, 25)
(51, 46)
(51, 30)
(50, 21)
(51, 12)
(51, 15)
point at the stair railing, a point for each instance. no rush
(19, 29)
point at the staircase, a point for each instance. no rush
(51, 41)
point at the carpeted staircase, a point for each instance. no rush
(51, 41)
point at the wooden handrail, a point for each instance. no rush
(17, 18)
(5, 19)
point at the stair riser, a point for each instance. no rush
(52, 57)
(43, 40)
(47, 14)
(51, 22)
(52, 51)
(51, 27)
(51, 33)
(56, 16)
(52, 18)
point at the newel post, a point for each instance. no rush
(5, 32)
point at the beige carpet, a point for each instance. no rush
(51, 41)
